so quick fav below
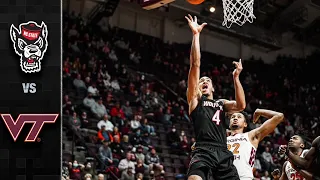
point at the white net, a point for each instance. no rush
(238, 12)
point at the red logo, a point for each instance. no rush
(37, 120)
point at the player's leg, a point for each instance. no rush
(226, 170)
(200, 164)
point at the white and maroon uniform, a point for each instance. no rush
(244, 154)
(291, 173)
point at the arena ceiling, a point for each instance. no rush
(273, 18)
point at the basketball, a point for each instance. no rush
(195, 2)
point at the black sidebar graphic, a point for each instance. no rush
(30, 90)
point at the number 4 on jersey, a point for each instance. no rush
(216, 117)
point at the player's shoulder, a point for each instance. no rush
(316, 142)
(285, 164)
(304, 152)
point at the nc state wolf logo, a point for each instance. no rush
(30, 43)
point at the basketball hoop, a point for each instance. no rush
(238, 12)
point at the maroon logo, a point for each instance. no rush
(37, 120)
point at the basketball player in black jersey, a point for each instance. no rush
(309, 165)
(210, 155)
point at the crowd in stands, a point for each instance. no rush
(124, 102)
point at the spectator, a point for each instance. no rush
(104, 135)
(67, 106)
(139, 176)
(289, 129)
(75, 170)
(167, 117)
(118, 120)
(146, 128)
(125, 144)
(98, 109)
(117, 151)
(93, 90)
(127, 110)
(185, 145)
(88, 101)
(115, 84)
(116, 110)
(257, 165)
(140, 168)
(101, 177)
(65, 171)
(153, 161)
(75, 121)
(139, 154)
(127, 174)
(267, 157)
(106, 123)
(181, 135)
(105, 154)
(88, 177)
(84, 120)
(256, 175)
(184, 115)
(88, 170)
(113, 56)
(117, 134)
(266, 176)
(282, 140)
(173, 139)
(135, 123)
(78, 83)
(136, 138)
(146, 140)
(126, 163)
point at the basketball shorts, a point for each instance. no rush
(212, 163)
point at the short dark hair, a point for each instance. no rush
(303, 134)
(246, 116)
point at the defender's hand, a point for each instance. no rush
(193, 24)
(276, 174)
(282, 149)
(256, 116)
(238, 69)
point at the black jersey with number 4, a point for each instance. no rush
(209, 121)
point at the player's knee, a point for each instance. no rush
(194, 177)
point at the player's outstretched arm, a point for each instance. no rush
(306, 174)
(240, 103)
(194, 71)
(304, 163)
(274, 118)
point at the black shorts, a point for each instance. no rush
(212, 163)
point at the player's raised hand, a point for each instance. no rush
(282, 149)
(193, 24)
(256, 116)
(238, 68)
